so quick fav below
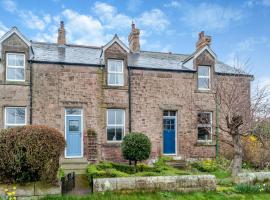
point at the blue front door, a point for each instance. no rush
(169, 135)
(73, 136)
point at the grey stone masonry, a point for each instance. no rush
(252, 177)
(185, 183)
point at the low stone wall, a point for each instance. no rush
(185, 183)
(252, 177)
(32, 190)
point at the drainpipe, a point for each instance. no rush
(31, 93)
(129, 100)
(217, 127)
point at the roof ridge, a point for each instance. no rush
(71, 45)
(182, 54)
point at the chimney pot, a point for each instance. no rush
(61, 34)
(134, 39)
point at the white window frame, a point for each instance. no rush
(204, 77)
(206, 126)
(114, 72)
(116, 125)
(14, 125)
(15, 67)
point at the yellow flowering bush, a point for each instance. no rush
(206, 165)
(10, 194)
(254, 151)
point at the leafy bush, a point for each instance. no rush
(30, 153)
(94, 172)
(136, 147)
(207, 165)
(248, 188)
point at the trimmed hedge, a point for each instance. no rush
(136, 147)
(30, 153)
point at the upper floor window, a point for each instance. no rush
(205, 126)
(15, 63)
(203, 78)
(115, 124)
(115, 72)
(15, 116)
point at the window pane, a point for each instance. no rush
(11, 73)
(20, 60)
(203, 83)
(119, 79)
(73, 111)
(119, 133)
(204, 118)
(19, 73)
(111, 117)
(111, 79)
(118, 67)
(119, 117)
(11, 59)
(74, 125)
(111, 133)
(204, 133)
(111, 66)
(10, 115)
(203, 71)
(20, 115)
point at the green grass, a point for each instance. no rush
(166, 195)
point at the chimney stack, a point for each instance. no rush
(61, 34)
(203, 40)
(134, 39)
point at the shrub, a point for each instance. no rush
(207, 165)
(93, 171)
(30, 153)
(248, 188)
(136, 147)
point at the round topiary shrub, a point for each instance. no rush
(30, 153)
(136, 147)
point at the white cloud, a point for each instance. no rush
(83, 29)
(252, 3)
(33, 21)
(173, 4)
(133, 5)
(249, 44)
(154, 19)
(110, 17)
(9, 5)
(211, 16)
(3, 29)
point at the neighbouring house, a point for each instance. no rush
(114, 89)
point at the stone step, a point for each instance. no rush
(77, 165)
(177, 163)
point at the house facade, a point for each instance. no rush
(113, 90)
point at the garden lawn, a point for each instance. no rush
(166, 195)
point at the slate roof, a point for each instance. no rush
(90, 55)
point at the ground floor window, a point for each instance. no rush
(205, 126)
(15, 116)
(115, 124)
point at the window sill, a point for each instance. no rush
(204, 91)
(205, 143)
(23, 83)
(112, 144)
(115, 87)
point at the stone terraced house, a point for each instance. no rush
(112, 90)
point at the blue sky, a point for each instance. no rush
(240, 30)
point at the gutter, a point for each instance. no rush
(31, 93)
(129, 100)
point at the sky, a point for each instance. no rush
(240, 29)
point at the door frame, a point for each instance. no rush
(175, 125)
(81, 115)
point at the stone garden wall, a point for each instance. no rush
(252, 177)
(32, 190)
(186, 183)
